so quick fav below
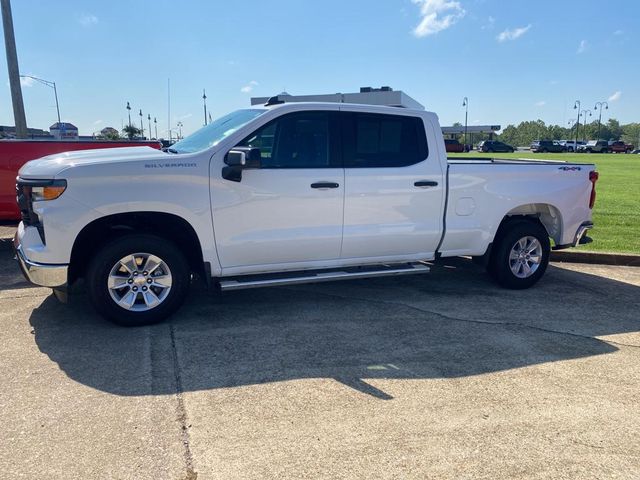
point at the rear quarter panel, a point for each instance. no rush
(482, 194)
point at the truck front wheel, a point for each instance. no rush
(521, 256)
(138, 280)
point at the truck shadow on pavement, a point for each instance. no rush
(452, 323)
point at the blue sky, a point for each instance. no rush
(515, 60)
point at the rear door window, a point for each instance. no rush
(379, 140)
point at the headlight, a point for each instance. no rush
(42, 190)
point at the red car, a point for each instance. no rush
(15, 153)
(620, 147)
(453, 146)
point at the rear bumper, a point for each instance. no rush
(45, 275)
(579, 236)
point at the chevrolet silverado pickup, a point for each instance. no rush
(284, 193)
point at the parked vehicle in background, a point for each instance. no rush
(494, 146)
(594, 146)
(545, 146)
(571, 145)
(15, 153)
(453, 146)
(621, 147)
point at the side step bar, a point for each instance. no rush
(296, 278)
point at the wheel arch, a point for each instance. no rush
(166, 225)
(545, 214)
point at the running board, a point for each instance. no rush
(296, 278)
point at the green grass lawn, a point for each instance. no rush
(617, 211)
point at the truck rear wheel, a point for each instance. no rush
(138, 280)
(521, 255)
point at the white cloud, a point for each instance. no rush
(437, 15)
(553, 82)
(541, 103)
(26, 82)
(87, 19)
(249, 87)
(97, 122)
(615, 96)
(513, 34)
(618, 32)
(184, 117)
(582, 47)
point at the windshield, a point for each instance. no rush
(216, 131)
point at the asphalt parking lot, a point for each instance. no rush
(440, 376)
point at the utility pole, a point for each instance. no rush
(169, 107)
(141, 125)
(149, 118)
(465, 104)
(584, 125)
(14, 71)
(155, 124)
(576, 106)
(204, 101)
(606, 106)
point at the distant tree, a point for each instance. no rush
(110, 133)
(130, 131)
(631, 134)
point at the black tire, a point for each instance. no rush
(511, 150)
(499, 266)
(544, 150)
(107, 257)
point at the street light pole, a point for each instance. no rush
(179, 125)
(600, 105)
(48, 84)
(204, 101)
(576, 106)
(141, 125)
(149, 118)
(584, 126)
(155, 123)
(129, 112)
(465, 104)
(572, 122)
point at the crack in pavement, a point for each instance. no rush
(466, 320)
(181, 409)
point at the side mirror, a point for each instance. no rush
(238, 159)
(243, 157)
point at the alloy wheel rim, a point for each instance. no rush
(139, 282)
(525, 257)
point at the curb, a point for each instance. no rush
(597, 258)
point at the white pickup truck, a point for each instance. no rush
(286, 193)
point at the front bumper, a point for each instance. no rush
(45, 275)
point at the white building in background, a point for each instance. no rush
(64, 131)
